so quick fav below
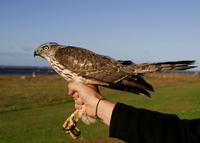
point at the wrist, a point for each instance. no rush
(98, 102)
(104, 111)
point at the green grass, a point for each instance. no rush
(32, 110)
(18, 93)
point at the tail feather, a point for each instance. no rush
(163, 66)
(135, 82)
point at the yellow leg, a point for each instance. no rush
(69, 125)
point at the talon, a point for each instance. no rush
(69, 125)
(74, 133)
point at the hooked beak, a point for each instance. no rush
(35, 53)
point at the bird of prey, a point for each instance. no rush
(74, 63)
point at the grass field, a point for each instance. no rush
(32, 110)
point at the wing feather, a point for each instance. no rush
(90, 65)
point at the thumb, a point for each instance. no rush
(71, 89)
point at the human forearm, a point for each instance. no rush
(139, 125)
(104, 111)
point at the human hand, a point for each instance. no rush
(83, 94)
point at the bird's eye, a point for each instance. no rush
(45, 48)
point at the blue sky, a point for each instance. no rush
(139, 30)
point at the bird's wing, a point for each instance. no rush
(103, 70)
(90, 65)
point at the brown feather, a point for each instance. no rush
(74, 62)
(159, 67)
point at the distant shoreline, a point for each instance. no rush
(49, 70)
(26, 70)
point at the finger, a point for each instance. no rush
(71, 92)
(75, 95)
(71, 88)
(79, 101)
(78, 107)
(94, 87)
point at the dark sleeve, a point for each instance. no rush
(143, 126)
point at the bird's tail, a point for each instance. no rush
(163, 66)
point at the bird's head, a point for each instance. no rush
(46, 50)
